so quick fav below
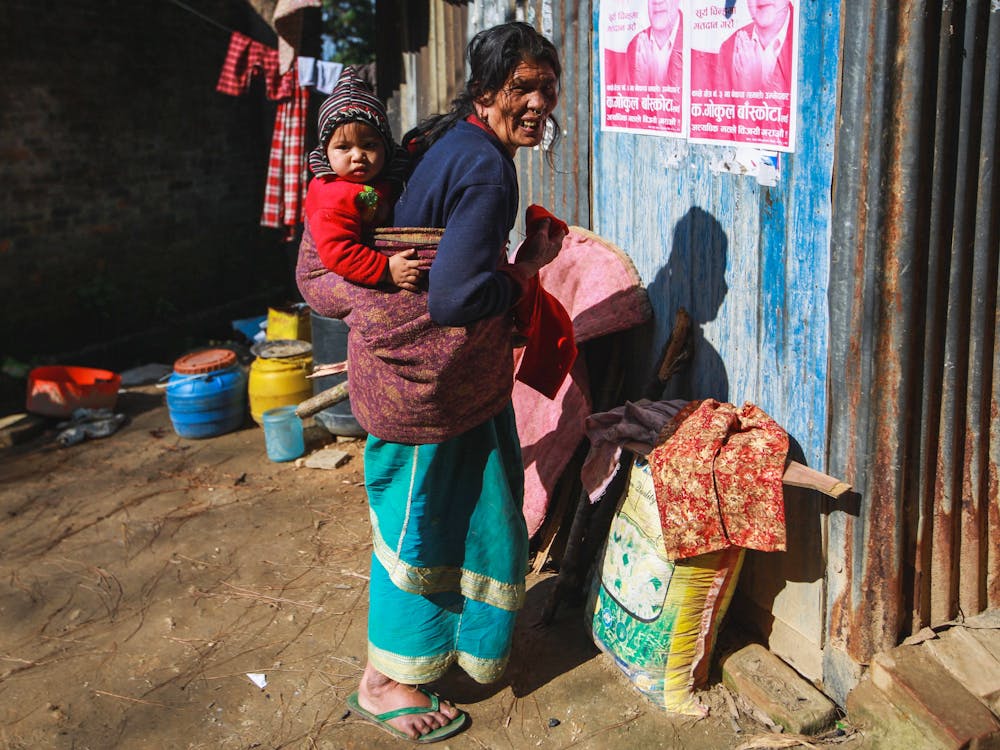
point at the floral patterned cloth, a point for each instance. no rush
(717, 473)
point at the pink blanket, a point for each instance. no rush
(603, 293)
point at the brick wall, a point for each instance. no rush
(130, 191)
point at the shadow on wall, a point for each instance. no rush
(694, 278)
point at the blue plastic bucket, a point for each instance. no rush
(283, 435)
(207, 394)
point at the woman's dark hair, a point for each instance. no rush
(492, 56)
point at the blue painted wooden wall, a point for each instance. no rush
(751, 266)
(750, 263)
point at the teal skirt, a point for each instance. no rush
(450, 552)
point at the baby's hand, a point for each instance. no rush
(405, 270)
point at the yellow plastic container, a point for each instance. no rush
(278, 376)
(289, 323)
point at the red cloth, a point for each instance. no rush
(717, 479)
(603, 294)
(536, 213)
(550, 350)
(286, 169)
(338, 219)
(247, 59)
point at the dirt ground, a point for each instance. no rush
(144, 576)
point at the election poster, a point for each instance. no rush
(713, 71)
(643, 66)
(744, 65)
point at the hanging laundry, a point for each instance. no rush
(247, 59)
(319, 74)
(286, 170)
(600, 289)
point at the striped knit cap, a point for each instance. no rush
(352, 100)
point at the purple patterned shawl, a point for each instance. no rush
(412, 380)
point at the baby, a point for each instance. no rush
(356, 182)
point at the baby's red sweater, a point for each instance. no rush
(339, 217)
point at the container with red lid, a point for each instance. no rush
(204, 361)
(206, 394)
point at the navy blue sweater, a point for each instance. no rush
(466, 184)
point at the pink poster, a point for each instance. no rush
(643, 66)
(744, 62)
(714, 71)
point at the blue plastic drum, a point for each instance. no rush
(207, 394)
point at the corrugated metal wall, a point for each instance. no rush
(915, 412)
(419, 48)
(749, 262)
(564, 185)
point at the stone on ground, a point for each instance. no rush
(778, 690)
(969, 662)
(924, 695)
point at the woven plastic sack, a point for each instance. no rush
(658, 619)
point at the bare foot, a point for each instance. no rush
(379, 694)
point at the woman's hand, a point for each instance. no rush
(405, 269)
(541, 247)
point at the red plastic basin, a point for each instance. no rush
(56, 390)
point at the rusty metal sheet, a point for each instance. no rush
(913, 321)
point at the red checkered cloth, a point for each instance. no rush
(286, 175)
(286, 170)
(247, 59)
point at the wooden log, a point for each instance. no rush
(679, 348)
(677, 352)
(799, 475)
(332, 368)
(322, 400)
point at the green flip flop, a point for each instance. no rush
(450, 729)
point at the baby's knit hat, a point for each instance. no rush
(352, 100)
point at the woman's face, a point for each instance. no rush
(518, 111)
